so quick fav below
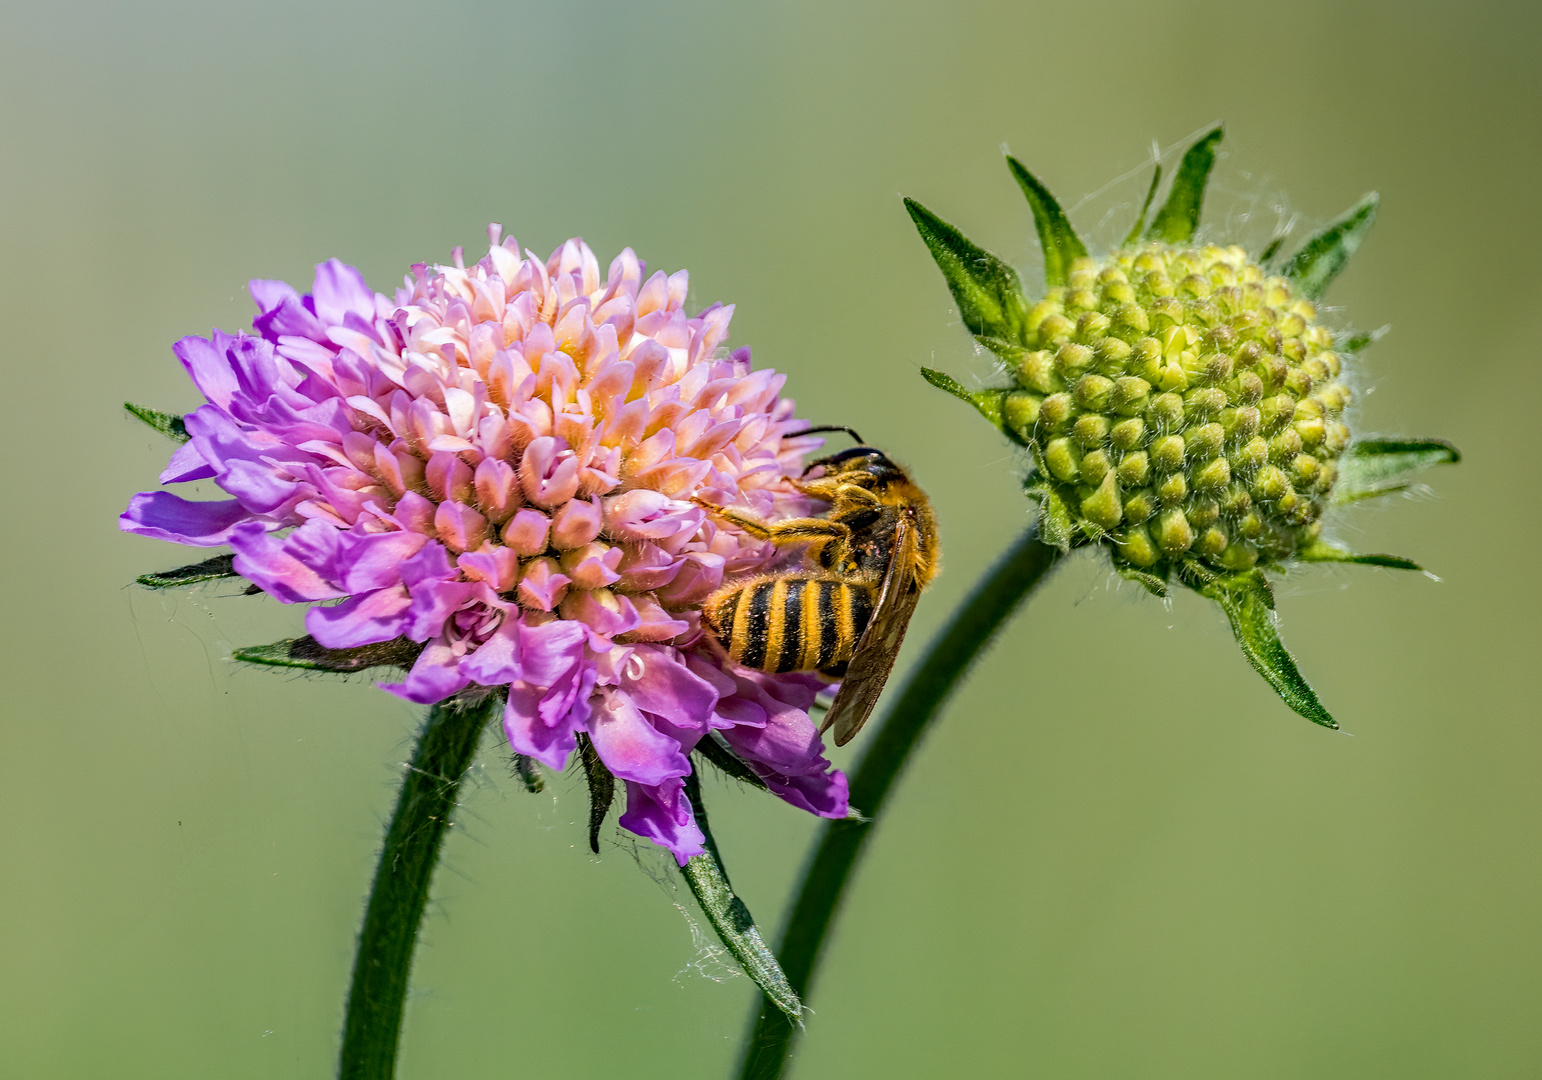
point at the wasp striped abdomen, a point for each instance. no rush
(792, 622)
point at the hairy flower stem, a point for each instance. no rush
(446, 746)
(994, 599)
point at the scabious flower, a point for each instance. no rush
(498, 476)
(1181, 403)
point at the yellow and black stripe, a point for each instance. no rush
(793, 623)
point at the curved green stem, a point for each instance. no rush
(994, 599)
(445, 749)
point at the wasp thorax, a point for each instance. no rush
(1184, 402)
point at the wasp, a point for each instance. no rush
(844, 609)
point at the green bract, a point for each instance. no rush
(1182, 403)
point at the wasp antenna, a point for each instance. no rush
(828, 427)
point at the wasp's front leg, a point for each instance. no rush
(836, 489)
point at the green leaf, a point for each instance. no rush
(1362, 339)
(1370, 467)
(1179, 217)
(1056, 526)
(1155, 584)
(168, 425)
(308, 655)
(1322, 551)
(602, 789)
(1270, 251)
(728, 762)
(221, 566)
(1319, 262)
(1140, 222)
(1060, 242)
(730, 918)
(1249, 605)
(988, 402)
(987, 290)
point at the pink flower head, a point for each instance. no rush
(502, 464)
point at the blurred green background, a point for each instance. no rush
(1119, 856)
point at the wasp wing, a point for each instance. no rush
(873, 657)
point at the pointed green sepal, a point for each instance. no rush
(221, 566)
(168, 425)
(1322, 551)
(602, 789)
(1056, 526)
(988, 402)
(1371, 467)
(1145, 208)
(1364, 339)
(1010, 354)
(1179, 217)
(735, 926)
(728, 762)
(1313, 267)
(1248, 602)
(987, 290)
(308, 655)
(1060, 242)
(1155, 584)
(1270, 251)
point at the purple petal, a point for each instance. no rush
(433, 678)
(262, 489)
(289, 321)
(209, 369)
(662, 814)
(666, 687)
(360, 620)
(534, 731)
(431, 562)
(301, 566)
(788, 743)
(373, 560)
(340, 289)
(185, 466)
(433, 602)
(496, 661)
(550, 651)
(631, 747)
(268, 295)
(164, 516)
(824, 794)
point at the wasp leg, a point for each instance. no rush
(832, 488)
(828, 541)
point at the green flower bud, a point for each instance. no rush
(1174, 534)
(1063, 460)
(1090, 430)
(1103, 507)
(1057, 411)
(1182, 402)
(1167, 452)
(1020, 411)
(1095, 466)
(1134, 469)
(1036, 371)
(1128, 434)
(1093, 392)
(1139, 507)
(1185, 401)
